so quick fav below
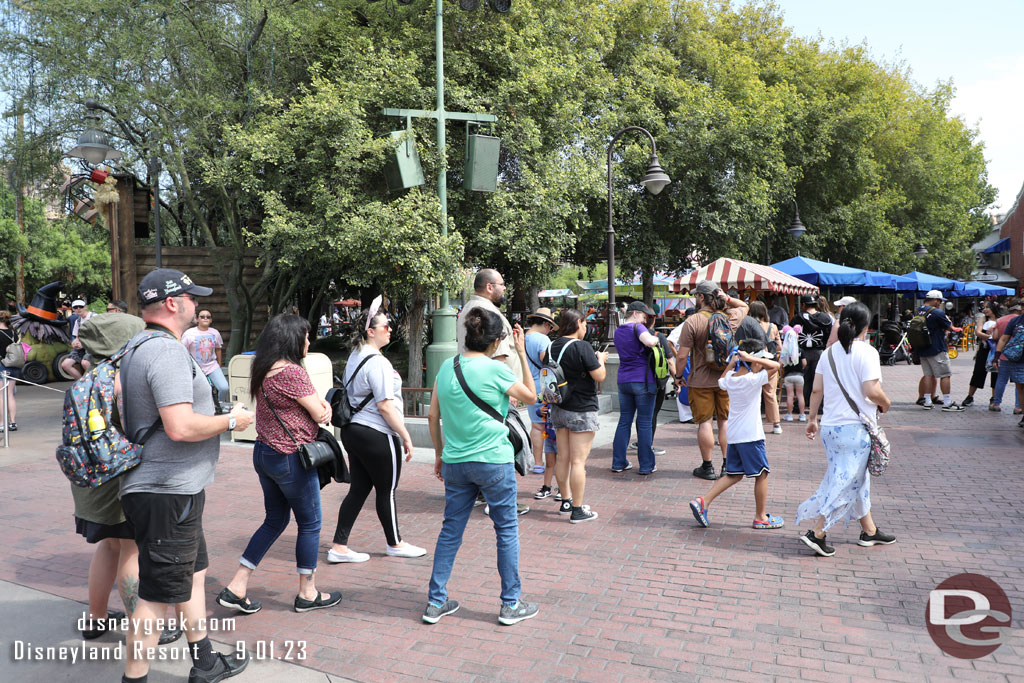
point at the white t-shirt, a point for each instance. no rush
(859, 366)
(744, 405)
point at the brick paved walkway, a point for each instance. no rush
(642, 593)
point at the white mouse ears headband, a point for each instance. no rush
(374, 310)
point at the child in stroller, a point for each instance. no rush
(893, 346)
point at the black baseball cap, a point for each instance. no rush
(639, 306)
(165, 282)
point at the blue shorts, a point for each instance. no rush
(747, 459)
(550, 445)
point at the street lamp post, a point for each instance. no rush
(93, 146)
(655, 181)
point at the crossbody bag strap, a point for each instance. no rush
(479, 402)
(366, 401)
(279, 420)
(835, 373)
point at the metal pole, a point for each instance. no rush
(6, 412)
(154, 171)
(609, 332)
(444, 344)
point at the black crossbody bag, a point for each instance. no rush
(323, 450)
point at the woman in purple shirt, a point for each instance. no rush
(637, 389)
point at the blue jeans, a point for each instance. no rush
(286, 487)
(219, 383)
(1002, 378)
(462, 482)
(635, 398)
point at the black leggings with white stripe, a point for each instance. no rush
(375, 461)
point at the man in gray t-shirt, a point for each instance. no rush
(163, 496)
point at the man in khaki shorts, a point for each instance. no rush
(935, 358)
(707, 399)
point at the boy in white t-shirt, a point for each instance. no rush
(750, 368)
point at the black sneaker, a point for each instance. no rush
(953, 408)
(545, 492)
(920, 401)
(565, 508)
(705, 471)
(653, 470)
(226, 667)
(433, 614)
(617, 470)
(878, 538)
(582, 514)
(1021, 423)
(557, 495)
(513, 614)
(303, 605)
(13, 427)
(969, 401)
(232, 601)
(818, 545)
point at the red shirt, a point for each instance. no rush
(284, 389)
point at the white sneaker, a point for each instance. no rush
(803, 418)
(407, 550)
(335, 557)
(777, 429)
(787, 418)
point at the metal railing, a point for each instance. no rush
(416, 401)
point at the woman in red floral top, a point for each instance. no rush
(280, 384)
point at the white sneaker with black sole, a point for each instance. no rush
(952, 407)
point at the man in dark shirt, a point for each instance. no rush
(935, 359)
(777, 313)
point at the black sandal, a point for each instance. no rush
(303, 605)
(232, 601)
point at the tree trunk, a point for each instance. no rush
(419, 302)
(647, 277)
(533, 299)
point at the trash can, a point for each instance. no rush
(318, 365)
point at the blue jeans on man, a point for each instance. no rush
(287, 487)
(635, 399)
(462, 482)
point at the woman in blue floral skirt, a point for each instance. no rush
(844, 493)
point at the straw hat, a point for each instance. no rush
(543, 315)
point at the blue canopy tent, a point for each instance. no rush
(824, 274)
(983, 289)
(898, 282)
(927, 282)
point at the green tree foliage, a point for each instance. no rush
(65, 249)
(267, 117)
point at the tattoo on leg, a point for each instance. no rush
(128, 587)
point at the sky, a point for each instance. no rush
(976, 44)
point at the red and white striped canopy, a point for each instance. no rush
(729, 273)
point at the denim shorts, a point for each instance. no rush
(573, 421)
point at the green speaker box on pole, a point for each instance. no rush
(482, 153)
(403, 170)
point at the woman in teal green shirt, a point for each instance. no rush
(475, 456)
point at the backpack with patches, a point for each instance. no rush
(93, 449)
(918, 334)
(554, 387)
(721, 342)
